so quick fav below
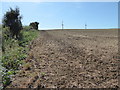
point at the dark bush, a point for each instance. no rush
(34, 25)
(12, 19)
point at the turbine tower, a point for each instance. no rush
(85, 26)
(62, 25)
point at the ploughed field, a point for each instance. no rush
(71, 59)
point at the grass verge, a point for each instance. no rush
(14, 53)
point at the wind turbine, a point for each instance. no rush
(62, 25)
(85, 26)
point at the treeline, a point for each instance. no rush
(15, 42)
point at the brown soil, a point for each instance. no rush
(71, 58)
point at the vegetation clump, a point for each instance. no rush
(34, 25)
(12, 19)
(14, 51)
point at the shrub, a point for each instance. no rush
(12, 19)
(34, 25)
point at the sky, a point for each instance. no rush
(97, 15)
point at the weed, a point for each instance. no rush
(27, 66)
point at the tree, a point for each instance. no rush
(34, 25)
(12, 19)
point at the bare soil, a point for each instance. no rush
(71, 59)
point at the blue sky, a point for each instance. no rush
(73, 14)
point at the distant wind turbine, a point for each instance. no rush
(85, 26)
(62, 25)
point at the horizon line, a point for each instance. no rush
(81, 29)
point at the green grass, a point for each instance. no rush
(15, 52)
